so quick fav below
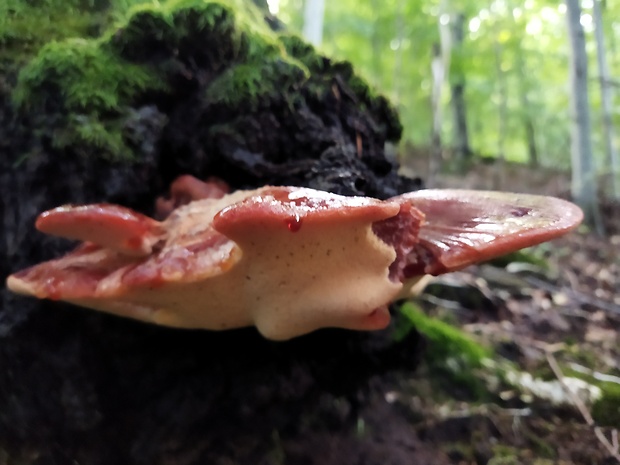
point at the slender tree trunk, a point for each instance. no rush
(459, 110)
(314, 10)
(501, 116)
(376, 49)
(398, 59)
(526, 106)
(606, 105)
(438, 73)
(584, 182)
(439, 68)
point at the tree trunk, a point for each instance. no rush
(501, 116)
(438, 72)
(398, 59)
(584, 182)
(314, 11)
(611, 158)
(376, 47)
(461, 135)
(526, 109)
(439, 69)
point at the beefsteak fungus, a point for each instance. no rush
(289, 260)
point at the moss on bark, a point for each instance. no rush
(224, 84)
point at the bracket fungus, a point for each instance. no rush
(289, 260)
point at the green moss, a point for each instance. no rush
(450, 353)
(504, 455)
(82, 77)
(148, 30)
(249, 82)
(26, 26)
(262, 61)
(446, 341)
(522, 256)
(85, 90)
(87, 86)
(85, 134)
(606, 410)
(81, 90)
(304, 52)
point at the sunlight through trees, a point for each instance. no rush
(513, 64)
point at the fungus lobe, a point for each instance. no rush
(223, 260)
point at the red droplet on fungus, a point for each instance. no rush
(294, 224)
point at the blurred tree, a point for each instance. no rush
(606, 104)
(440, 67)
(584, 182)
(457, 87)
(391, 43)
(313, 21)
(502, 102)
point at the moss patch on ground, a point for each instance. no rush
(451, 354)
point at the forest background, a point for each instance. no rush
(530, 83)
(486, 78)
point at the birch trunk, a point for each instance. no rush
(438, 71)
(611, 156)
(501, 116)
(526, 106)
(314, 10)
(398, 59)
(439, 68)
(584, 182)
(459, 110)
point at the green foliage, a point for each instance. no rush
(391, 44)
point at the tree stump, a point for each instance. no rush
(207, 90)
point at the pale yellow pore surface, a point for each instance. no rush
(329, 273)
(287, 284)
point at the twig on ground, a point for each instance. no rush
(580, 297)
(595, 374)
(611, 446)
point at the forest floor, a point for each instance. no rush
(551, 394)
